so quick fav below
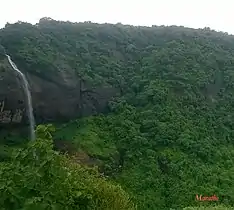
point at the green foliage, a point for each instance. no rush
(53, 181)
(169, 136)
(87, 135)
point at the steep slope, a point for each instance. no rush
(168, 133)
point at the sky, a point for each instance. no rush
(216, 14)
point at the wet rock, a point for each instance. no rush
(61, 97)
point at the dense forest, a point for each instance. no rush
(165, 137)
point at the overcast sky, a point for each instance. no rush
(216, 14)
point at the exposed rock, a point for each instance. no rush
(62, 97)
(11, 96)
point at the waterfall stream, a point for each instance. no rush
(27, 93)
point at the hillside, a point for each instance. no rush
(152, 107)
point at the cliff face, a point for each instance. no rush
(62, 97)
(68, 70)
(11, 97)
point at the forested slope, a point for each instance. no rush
(167, 134)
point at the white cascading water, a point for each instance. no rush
(28, 97)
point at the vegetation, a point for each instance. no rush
(39, 178)
(165, 139)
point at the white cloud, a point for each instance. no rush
(197, 13)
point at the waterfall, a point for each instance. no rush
(28, 97)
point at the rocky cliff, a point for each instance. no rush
(62, 97)
(72, 70)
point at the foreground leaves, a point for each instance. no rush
(52, 181)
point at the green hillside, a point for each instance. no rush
(168, 134)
